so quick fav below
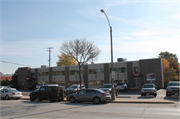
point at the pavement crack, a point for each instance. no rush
(143, 111)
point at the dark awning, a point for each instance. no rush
(29, 78)
(136, 74)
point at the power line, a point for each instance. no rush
(16, 63)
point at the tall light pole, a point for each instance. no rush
(112, 71)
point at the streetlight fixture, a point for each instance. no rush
(112, 71)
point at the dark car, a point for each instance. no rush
(31, 86)
(14, 86)
(51, 92)
(89, 95)
(149, 89)
(173, 88)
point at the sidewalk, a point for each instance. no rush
(131, 100)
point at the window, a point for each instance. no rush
(90, 91)
(58, 73)
(90, 82)
(82, 91)
(98, 82)
(135, 69)
(32, 74)
(74, 72)
(54, 73)
(91, 71)
(42, 89)
(39, 73)
(117, 70)
(123, 69)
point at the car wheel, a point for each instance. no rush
(167, 95)
(142, 95)
(32, 98)
(155, 95)
(60, 99)
(96, 100)
(7, 97)
(39, 99)
(52, 98)
(17, 98)
(72, 100)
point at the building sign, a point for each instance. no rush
(136, 74)
(151, 77)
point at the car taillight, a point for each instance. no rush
(21, 93)
(13, 93)
(103, 93)
(122, 86)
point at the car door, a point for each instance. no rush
(89, 95)
(3, 93)
(41, 93)
(81, 95)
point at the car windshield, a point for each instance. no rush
(101, 91)
(106, 86)
(73, 86)
(14, 91)
(148, 86)
(120, 84)
(174, 84)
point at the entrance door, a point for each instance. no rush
(137, 82)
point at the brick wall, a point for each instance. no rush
(22, 74)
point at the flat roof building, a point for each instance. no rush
(134, 73)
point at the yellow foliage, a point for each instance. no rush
(168, 72)
(65, 60)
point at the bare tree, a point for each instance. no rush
(81, 50)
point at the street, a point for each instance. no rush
(25, 109)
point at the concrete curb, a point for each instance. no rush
(123, 101)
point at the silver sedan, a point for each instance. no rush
(11, 93)
(89, 95)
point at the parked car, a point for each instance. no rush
(173, 88)
(31, 86)
(6, 87)
(14, 86)
(51, 92)
(122, 86)
(149, 89)
(107, 88)
(74, 88)
(89, 95)
(10, 93)
(40, 85)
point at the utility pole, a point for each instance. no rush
(49, 49)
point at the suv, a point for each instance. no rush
(173, 88)
(107, 88)
(51, 92)
(122, 86)
(74, 88)
(149, 89)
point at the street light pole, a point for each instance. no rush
(113, 96)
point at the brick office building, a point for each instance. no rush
(134, 73)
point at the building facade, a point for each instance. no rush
(134, 73)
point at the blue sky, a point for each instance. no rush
(141, 29)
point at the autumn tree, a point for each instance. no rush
(65, 60)
(168, 55)
(169, 73)
(81, 50)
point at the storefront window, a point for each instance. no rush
(136, 69)
(123, 69)
(90, 82)
(58, 73)
(98, 82)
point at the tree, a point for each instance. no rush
(168, 55)
(65, 60)
(168, 72)
(81, 50)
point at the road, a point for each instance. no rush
(25, 109)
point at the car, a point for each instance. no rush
(14, 86)
(10, 93)
(51, 92)
(40, 85)
(173, 88)
(74, 88)
(89, 95)
(149, 89)
(122, 86)
(6, 87)
(31, 86)
(107, 88)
